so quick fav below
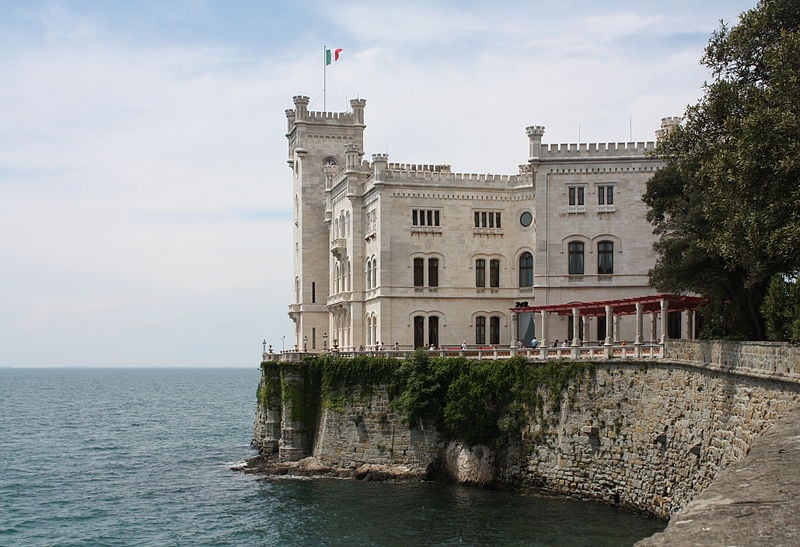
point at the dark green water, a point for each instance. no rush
(142, 456)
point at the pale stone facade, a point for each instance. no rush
(419, 255)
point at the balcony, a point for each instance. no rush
(339, 247)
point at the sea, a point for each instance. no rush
(105, 456)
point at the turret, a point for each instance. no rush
(352, 156)
(668, 125)
(301, 107)
(379, 162)
(535, 134)
(357, 105)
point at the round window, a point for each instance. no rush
(526, 218)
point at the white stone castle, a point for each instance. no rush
(419, 256)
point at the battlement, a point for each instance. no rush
(601, 149)
(300, 112)
(406, 167)
(445, 177)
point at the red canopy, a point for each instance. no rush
(622, 306)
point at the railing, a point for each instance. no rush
(480, 353)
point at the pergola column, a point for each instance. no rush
(609, 323)
(514, 329)
(575, 327)
(543, 341)
(639, 309)
(616, 328)
(653, 326)
(664, 317)
(587, 323)
(689, 324)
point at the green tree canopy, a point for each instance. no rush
(727, 204)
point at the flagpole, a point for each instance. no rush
(324, 71)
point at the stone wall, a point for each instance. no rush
(365, 429)
(774, 359)
(648, 436)
(645, 436)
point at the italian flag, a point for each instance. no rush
(331, 56)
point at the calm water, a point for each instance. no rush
(141, 456)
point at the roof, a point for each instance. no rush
(622, 306)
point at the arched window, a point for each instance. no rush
(347, 224)
(480, 272)
(297, 290)
(419, 272)
(346, 282)
(374, 272)
(433, 272)
(494, 330)
(369, 274)
(526, 269)
(433, 331)
(419, 331)
(337, 276)
(575, 263)
(480, 330)
(605, 257)
(494, 273)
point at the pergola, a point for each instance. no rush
(652, 305)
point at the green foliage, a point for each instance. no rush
(474, 401)
(481, 401)
(421, 385)
(727, 206)
(781, 309)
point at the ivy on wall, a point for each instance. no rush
(474, 401)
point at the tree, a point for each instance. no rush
(727, 204)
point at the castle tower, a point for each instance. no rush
(317, 142)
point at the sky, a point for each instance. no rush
(145, 199)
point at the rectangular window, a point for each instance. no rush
(494, 273)
(605, 195)
(425, 217)
(487, 219)
(480, 272)
(576, 195)
(313, 292)
(433, 272)
(419, 272)
(480, 330)
(494, 330)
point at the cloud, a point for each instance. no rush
(143, 182)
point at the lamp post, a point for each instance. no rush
(325, 341)
(305, 343)
(264, 346)
(283, 343)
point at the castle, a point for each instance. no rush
(420, 256)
